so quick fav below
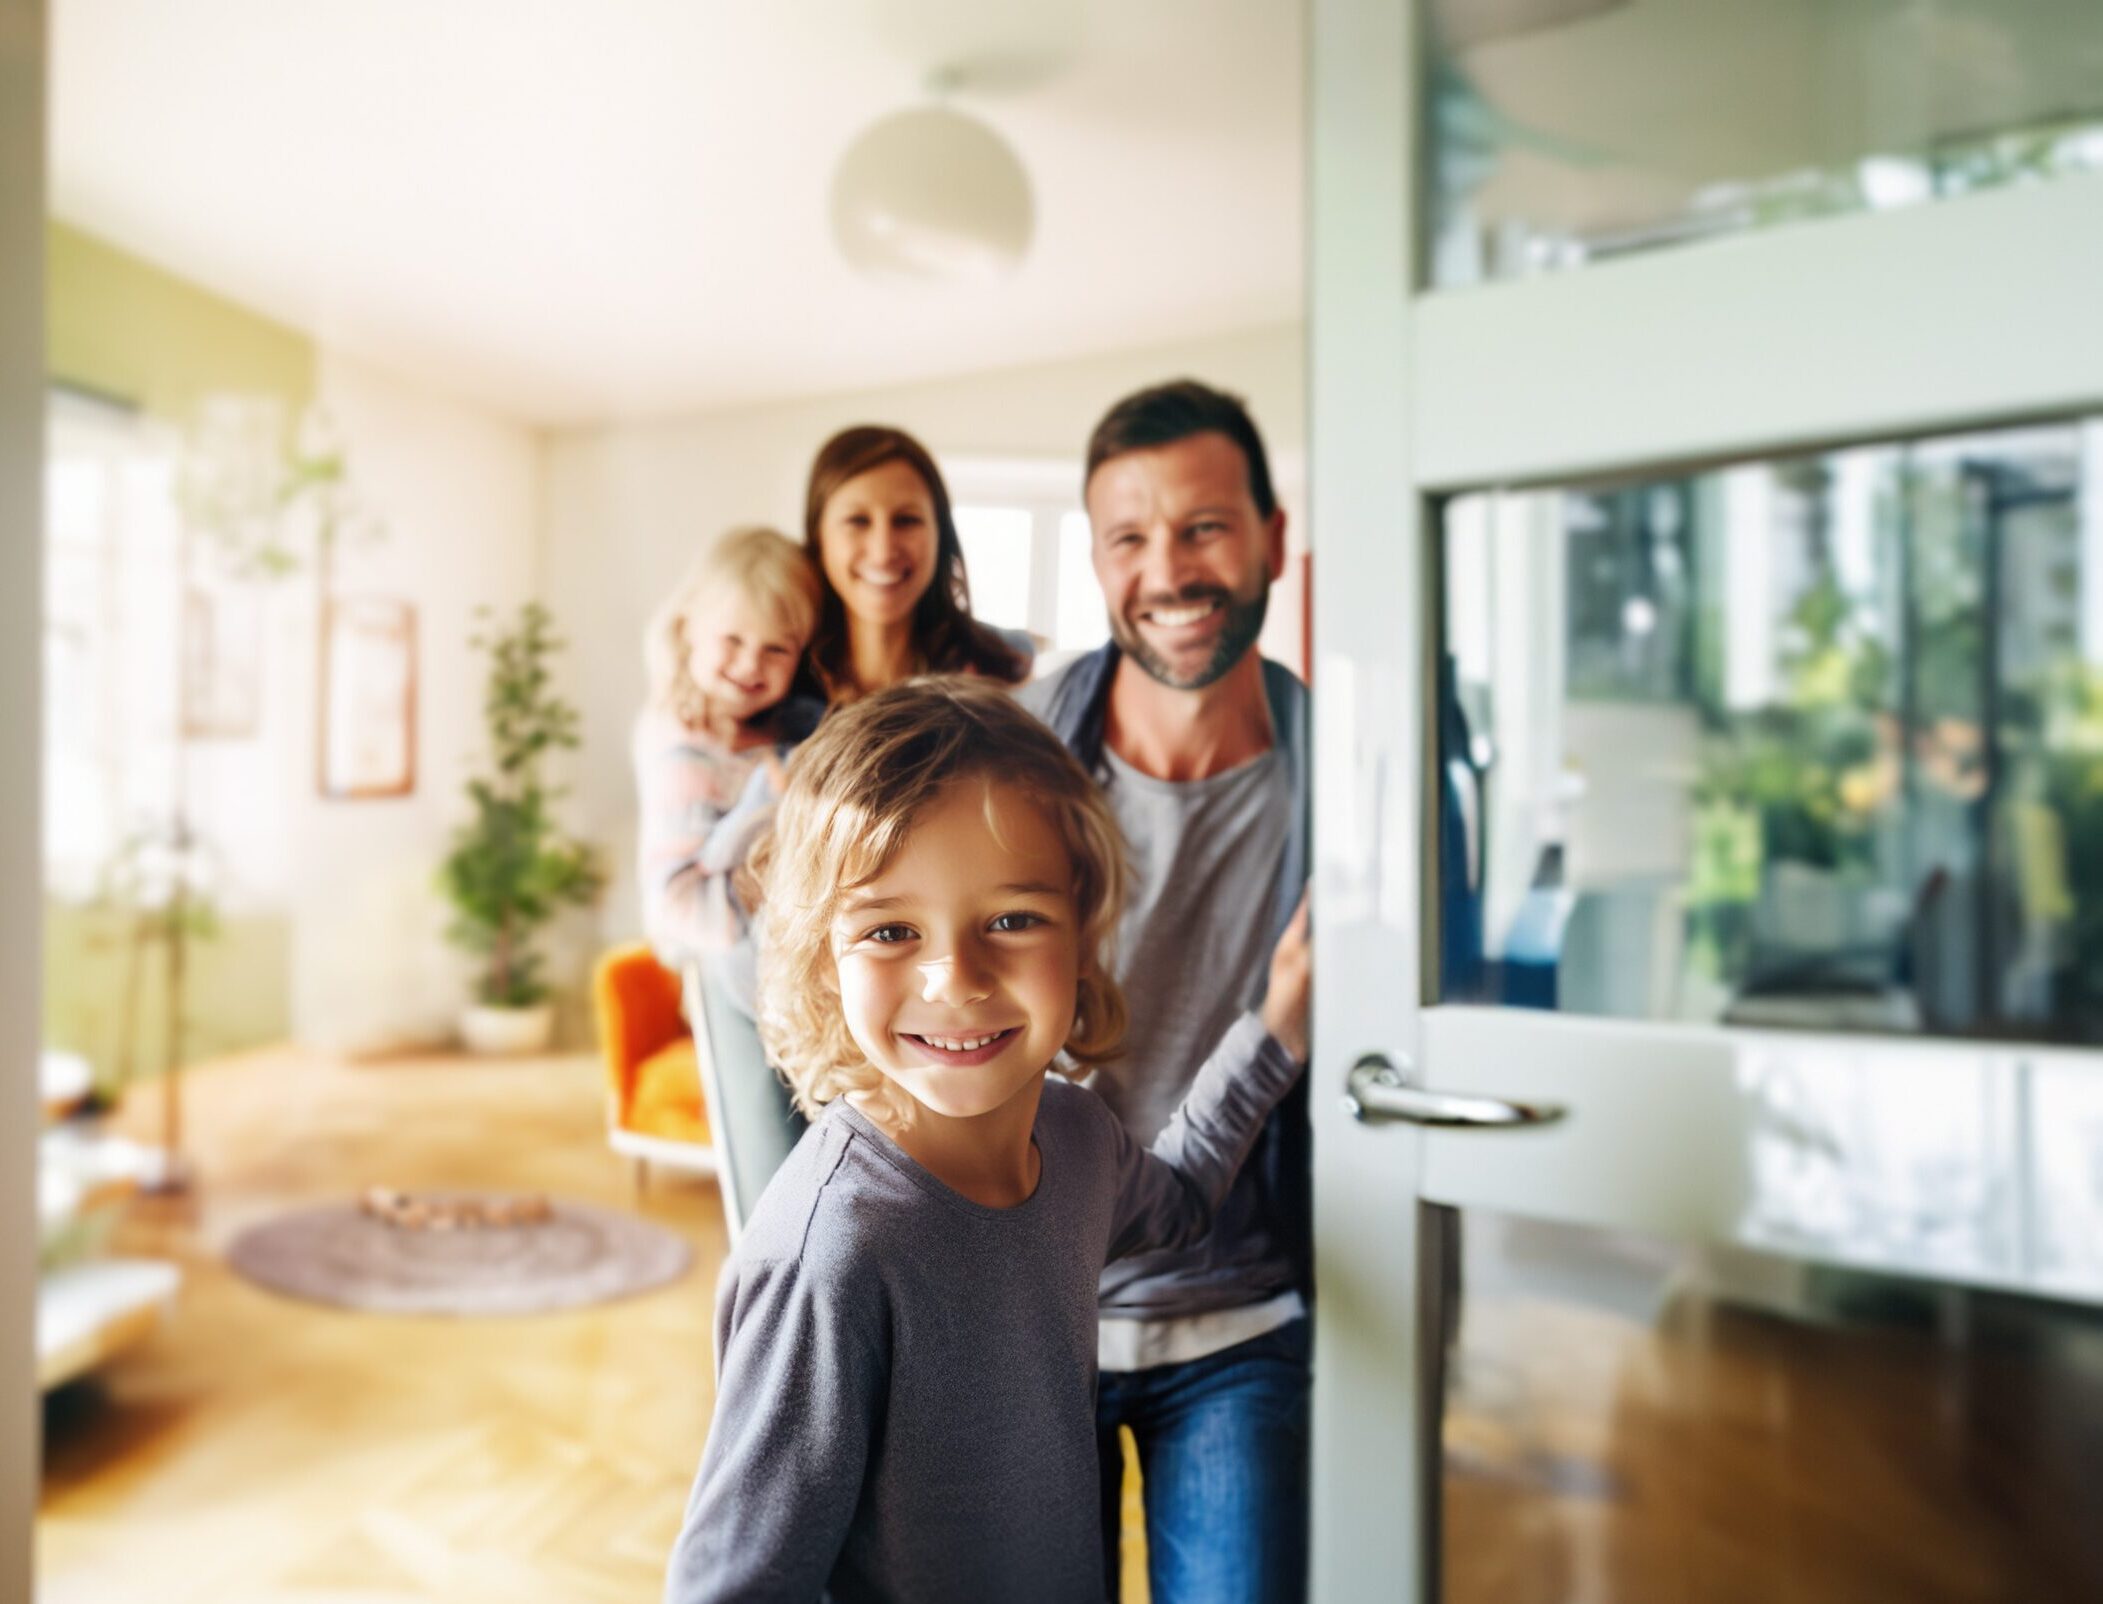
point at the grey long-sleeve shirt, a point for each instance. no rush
(905, 1404)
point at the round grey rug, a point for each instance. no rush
(340, 1254)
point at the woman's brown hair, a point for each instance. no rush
(946, 637)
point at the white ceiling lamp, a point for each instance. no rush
(931, 194)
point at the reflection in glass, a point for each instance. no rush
(1628, 1421)
(1562, 132)
(1861, 1157)
(1822, 745)
(2066, 1194)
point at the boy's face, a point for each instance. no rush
(959, 964)
(741, 655)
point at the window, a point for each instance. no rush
(997, 553)
(1822, 746)
(110, 640)
(1027, 547)
(1083, 622)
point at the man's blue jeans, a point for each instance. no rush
(1223, 1455)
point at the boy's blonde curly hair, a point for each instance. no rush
(855, 791)
(759, 563)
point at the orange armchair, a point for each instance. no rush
(655, 1112)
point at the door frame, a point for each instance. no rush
(1371, 1486)
(22, 91)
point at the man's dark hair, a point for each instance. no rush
(1166, 413)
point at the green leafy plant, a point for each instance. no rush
(512, 869)
(263, 501)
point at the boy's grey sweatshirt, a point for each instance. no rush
(905, 1404)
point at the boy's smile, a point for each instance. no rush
(973, 1049)
(958, 965)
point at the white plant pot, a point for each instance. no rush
(484, 1029)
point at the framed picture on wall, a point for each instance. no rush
(368, 697)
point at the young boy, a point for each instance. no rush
(723, 652)
(906, 1332)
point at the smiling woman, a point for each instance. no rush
(897, 603)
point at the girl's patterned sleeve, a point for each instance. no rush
(685, 784)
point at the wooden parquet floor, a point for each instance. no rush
(258, 1450)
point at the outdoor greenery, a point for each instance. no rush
(265, 502)
(2071, 786)
(512, 869)
(1935, 733)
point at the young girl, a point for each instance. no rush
(906, 1332)
(723, 652)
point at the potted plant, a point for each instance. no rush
(512, 869)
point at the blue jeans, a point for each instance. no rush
(1223, 1457)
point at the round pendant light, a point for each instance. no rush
(932, 194)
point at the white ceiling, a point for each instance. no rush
(574, 210)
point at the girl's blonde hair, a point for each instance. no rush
(764, 566)
(856, 790)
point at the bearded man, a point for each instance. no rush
(1201, 745)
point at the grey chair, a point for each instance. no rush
(751, 1121)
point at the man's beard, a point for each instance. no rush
(1238, 632)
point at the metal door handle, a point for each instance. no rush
(1376, 1094)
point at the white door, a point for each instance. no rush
(1706, 478)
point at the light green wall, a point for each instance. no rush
(236, 989)
(121, 327)
(117, 325)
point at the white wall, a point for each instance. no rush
(21, 651)
(457, 489)
(626, 507)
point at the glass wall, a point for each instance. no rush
(1562, 132)
(1822, 745)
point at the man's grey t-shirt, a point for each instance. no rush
(906, 1395)
(1193, 953)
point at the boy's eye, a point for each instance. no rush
(1010, 922)
(887, 935)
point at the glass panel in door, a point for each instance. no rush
(1767, 829)
(1814, 742)
(1626, 1423)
